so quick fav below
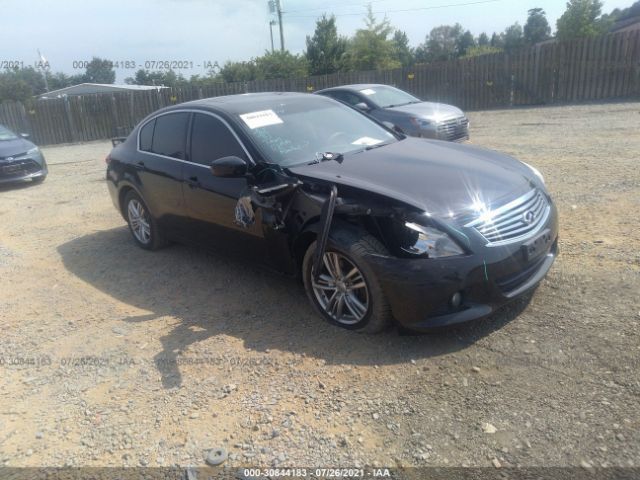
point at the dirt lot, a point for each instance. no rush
(111, 355)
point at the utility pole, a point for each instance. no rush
(279, 9)
(42, 63)
(271, 24)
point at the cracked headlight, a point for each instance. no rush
(431, 241)
(535, 171)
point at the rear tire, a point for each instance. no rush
(142, 225)
(348, 293)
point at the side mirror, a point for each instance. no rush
(25, 135)
(362, 106)
(229, 167)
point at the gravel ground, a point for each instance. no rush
(113, 356)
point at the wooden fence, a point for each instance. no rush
(598, 68)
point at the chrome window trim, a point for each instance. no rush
(190, 110)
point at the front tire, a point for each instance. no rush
(142, 225)
(347, 293)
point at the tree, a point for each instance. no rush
(167, 79)
(400, 50)
(325, 50)
(497, 41)
(58, 80)
(370, 48)
(14, 88)
(441, 44)
(483, 40)
(238, 71)
(100, 71)
(537, 28)
(19, 84)
(580, 20)
(281, 64)
(464, 42)
(513, 37)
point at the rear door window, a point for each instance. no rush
(170, 135)
(146, 136)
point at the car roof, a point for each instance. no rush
(353, 86)
(247, 102)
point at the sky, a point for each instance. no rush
(198, 33)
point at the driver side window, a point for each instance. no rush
(211, 139)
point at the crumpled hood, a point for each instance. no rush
(437, 111)
(10, 148)
(442, 178)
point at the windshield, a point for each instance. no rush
(6, 134)
(296, 132)
(386, 97)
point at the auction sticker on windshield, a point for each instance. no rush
(263, 118)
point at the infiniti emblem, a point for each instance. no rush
(528, 217)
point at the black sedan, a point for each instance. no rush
(20, 159)
(379, 226)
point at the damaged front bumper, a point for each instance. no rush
(430, 293)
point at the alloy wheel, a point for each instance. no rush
(341, 289)
(139, 221)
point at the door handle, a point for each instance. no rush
(193, 182)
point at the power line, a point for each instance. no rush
(404, 10)
(335, 5)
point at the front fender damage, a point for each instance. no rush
(291, 207)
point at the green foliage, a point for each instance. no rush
(480, 50)
(496, 40)
(100, 71)
(445, 43)
(464, 43)
(483, 40)
(18, 84)
(14, 88)
(325, 50)
(537, 28)
(400, 49)
(513, 37)
(278, 64)
(166, 79)
(238, 71)
(371, 48)
(580, 20)
(281, 64)
(441, 44)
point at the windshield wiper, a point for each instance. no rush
(377, 145)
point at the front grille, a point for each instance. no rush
(454, 129)
(514, 221)
(19, 167)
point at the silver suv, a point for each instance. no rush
(407, 113)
